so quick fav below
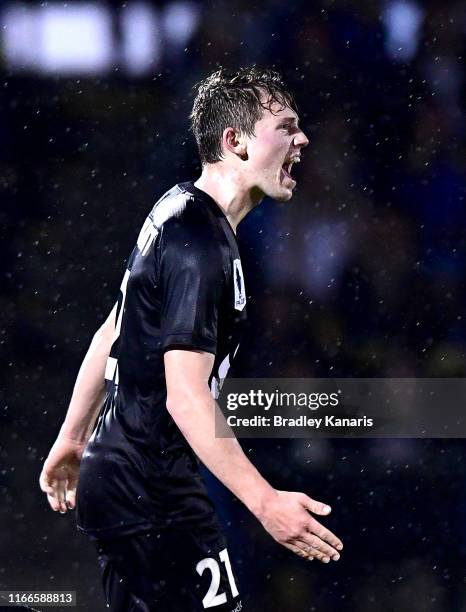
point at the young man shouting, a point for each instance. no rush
(149, 369)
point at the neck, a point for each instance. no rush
(228, 189)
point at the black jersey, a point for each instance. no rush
(183, 288)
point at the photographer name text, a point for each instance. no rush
(300, 421)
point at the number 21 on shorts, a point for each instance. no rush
(213, 597)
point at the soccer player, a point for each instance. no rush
(150, 368)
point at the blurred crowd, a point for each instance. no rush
(361, 275)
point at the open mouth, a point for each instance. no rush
(287, 167)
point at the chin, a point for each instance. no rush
(278, 192)
(285, 197)
(282, 195)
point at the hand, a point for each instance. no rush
(59, 477)
(285, 515)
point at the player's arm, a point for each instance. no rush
(59, 476)
(285, 515)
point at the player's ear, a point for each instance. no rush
(235, 142)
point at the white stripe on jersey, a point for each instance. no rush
(168, 208)
(110, 368)
(164, 210)
(223, 368)
(147, 235)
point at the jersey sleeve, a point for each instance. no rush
(192, 283)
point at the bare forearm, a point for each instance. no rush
(89, 390)
(222, 456)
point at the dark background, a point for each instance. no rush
(361, 275)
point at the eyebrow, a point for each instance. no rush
(289, 120)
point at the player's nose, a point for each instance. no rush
(301, 140)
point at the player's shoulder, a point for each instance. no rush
(186, 218)
(180, 205)
(172, 205)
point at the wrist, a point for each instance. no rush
(72, 438)
(261, 499)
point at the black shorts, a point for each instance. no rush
(172, 570)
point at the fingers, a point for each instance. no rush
(53, 502)
(317, 554)
(44, 482)
(306, 536)
(61, 495)
(56, 496)
(71, 498)
(300, 551)
(71, 491)
(307, 552)
(56, 490)
(49, 487)
(315, 506)
(324, 534)
(323, 551)
(326, 541)
(322, 557)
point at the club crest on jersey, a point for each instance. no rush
(238, 281)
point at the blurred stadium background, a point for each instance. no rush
(363, 274)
